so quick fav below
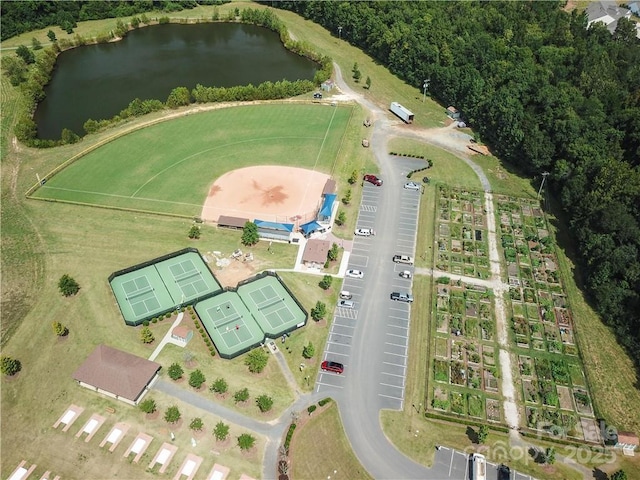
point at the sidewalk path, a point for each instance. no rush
(167, 338)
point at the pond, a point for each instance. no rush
(98, 81)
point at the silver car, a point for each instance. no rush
(412, 186)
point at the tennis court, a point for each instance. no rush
(229, 323)
(161, 285)
(141, 294)
(272, 306)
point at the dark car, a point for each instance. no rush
(373, 179)
(317, 95)
(334, 367)
(504, 473)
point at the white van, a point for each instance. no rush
(478, 467)
(345, 295)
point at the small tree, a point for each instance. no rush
(482, 434)
(319, 311)
(241, 395)
(256, 360)
(368, 83)
(25, 54)
(172, 415)
(550, 456)
(196, 379)
(52, 36)
(219, 386)
(619, 475)
(264, 403)
(347, 197)
(146, 335)
(194, 232)
(59, 329)
(356, 72)
(246, 441)
(341, 218)
(68, 286)
(148, 405)
(175, 371)
(69, 137)
(10, 366)
(250, 234)
(36, 44)
(325, 283)
(353, 178)
(221, 431)
(196, 424)
(308, 351)
(332, 254)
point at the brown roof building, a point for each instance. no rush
(117, 374)
(231, 222)
(315, 251)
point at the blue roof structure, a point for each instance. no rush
(310, 227)
(328, 204)
(285, 227)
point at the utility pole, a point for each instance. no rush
(544, 178)
(425, 85)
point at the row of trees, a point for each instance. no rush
(547, 94)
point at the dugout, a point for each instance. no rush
(274, 231)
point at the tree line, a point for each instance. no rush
(548, 94)
(19, 17)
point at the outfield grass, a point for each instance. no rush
(155, 169)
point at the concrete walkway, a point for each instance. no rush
(167, 338)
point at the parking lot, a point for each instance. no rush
(393, 319)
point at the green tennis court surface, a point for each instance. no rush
(162, 285)
(261, 308)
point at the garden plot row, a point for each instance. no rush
(554, 389)
(465, 366)
(461, 233)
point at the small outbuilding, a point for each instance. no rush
(628, 442)
(453, 113)
(236, 223)
(182, 334)
(315, 253)
(274, 230)
(117, 374)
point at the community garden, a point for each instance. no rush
(554, 387)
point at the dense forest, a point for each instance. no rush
(547, 94)
(22, 16)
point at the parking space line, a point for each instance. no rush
(333, 354)
(392, 374)
(329, 342)
(396, 354)
(328, 384)
(392, 386)
(395, 364)
(343, 334)
(395, 335)
(389, 396)
(395, 344)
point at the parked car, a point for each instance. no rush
(373, 179)
(402, 297)
(403, 259)
(345, 295)
(364, 232)
(355, 274)
(317, 95)
(329, 366)
(412, 186)
(405, 274)
(346, 303)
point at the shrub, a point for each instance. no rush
(326, 281)
(341, 218)
(10, 366)
(319, 311)
(68, 286)
(256, 360)
(353, 178)
(221, 431)
(196, 379)
(264, 403)
(146, 335)
(154, 320)
(196, 424)
(172, 415)
(148, 405)
(324, 401)
(219, 386)
(145, 323)
(246, 441)
(241, 395)
(175, 371)
(311, 409)
(59, 329)
(194, 232)
(308, 351)
(287, 440)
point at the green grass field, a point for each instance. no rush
(169, 167)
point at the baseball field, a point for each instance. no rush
(170, 167)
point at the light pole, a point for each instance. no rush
(425, 85)
(340, 32)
